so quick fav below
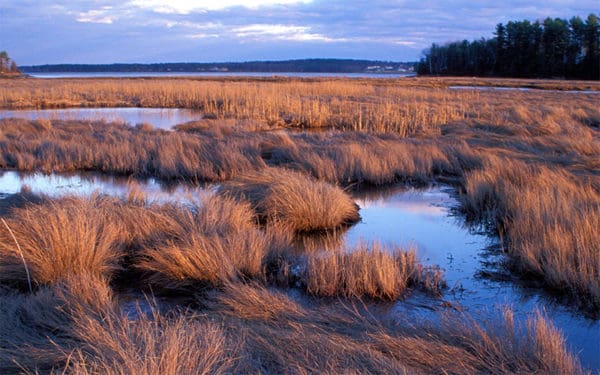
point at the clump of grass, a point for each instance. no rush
(154, 344)
(60, 238)
(37, 331)
(292, 199)
(216, 243)
(548, 219)
(365, 271)
(254, 301)
(458, 344)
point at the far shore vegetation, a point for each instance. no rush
(549, 48)
(8, 67)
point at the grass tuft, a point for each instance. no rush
(289, 198)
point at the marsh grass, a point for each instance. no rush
(292, 199)
(345, 337)
(212, 244)
(75, 323)
(341, 104)
(155, 344)
(76, 326)
(373, 272)
(203, 155)
(457, 344)
(526, 162)
(58, 239)
(37, 331)
(549, 221)
(122, 150)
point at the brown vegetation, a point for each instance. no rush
(511, 146)
(365, 271)
(218, 243)
(249, 328)
(459, 345)
(526, 163)
(76, 323)
(292, 199)
(59, 239)
(550, 221)
(112, 148)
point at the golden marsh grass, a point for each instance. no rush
(526, 164)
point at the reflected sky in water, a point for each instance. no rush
(86, 184)
(424, 219)
(163, 118)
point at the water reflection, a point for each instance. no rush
(423, 218)
(163, 118)
(86, 184)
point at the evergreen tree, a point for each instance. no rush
(553, 48)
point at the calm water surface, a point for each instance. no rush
(87, 184)
(217, 74)
(522, 89)
(163, 118)
(422, 218)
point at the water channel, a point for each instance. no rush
(163, 118)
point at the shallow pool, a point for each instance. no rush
(163, 118)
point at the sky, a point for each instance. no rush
(145, 31)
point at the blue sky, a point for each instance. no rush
(50, 32)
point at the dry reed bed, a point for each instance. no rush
(536, 128)
(219, 153)
(404, 107)
(247, 328)
(292, 199)
(77, 327)
(177, 248)
(367, 271)
(342, 104)
(550, 221)
(342, 338)
(523, 141)
(117, 149)
(73, 320)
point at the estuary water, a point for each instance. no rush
(163, 118)
(216, 74)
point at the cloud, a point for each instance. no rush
(190, 6)
(280, 32)
(105, 31)
(96, 16)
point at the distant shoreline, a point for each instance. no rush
(232, 75)
(287, 66)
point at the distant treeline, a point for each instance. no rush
(306, 65)
(552, 48)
